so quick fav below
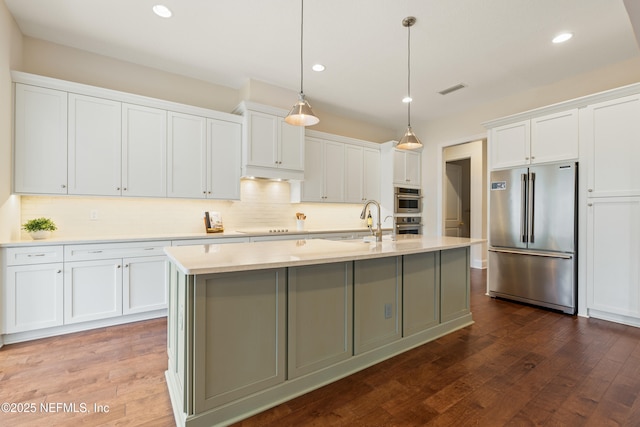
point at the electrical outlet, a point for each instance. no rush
(387, 311)
(93, 215)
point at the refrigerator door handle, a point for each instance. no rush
(523, 207)
(532, 199)
(543, 254)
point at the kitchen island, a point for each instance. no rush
(252, 325)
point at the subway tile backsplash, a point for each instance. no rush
(263, 204)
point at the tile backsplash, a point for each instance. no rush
(263, 204)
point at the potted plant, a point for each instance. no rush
(39, 228)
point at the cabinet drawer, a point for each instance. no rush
(33, 255)
(114, 250)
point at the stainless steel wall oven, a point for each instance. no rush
(408, 200)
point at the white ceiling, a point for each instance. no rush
(495, 47)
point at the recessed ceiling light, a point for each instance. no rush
(561, 38)
(407, 99)
(318, 67)
(162, 11)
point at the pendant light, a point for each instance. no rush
(409, 141)
(301, 113)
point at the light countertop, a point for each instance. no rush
(205, 259)
(72, 240)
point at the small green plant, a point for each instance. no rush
(39, 224)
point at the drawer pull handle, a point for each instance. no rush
(95, 252)
(149, 249)
(30, 255)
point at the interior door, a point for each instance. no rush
(453, 201)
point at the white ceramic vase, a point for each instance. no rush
(40, 234)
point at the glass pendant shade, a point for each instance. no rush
(409, 141)
(301, 113)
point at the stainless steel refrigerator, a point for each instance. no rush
(532, 235)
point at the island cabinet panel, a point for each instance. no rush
(239, 330)
(420, 292)
(320, 308)
(377, 303)
(454, 284)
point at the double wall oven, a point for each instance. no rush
(407, 210)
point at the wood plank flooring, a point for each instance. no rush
(516, 366)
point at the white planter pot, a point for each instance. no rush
(40, 234)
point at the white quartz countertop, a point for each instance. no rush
(215, 258)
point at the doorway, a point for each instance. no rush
(457, 194)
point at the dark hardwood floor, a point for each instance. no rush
(516, 366)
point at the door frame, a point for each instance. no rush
(474, 148)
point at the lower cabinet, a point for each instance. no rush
(239, 335)
(320, 313)
(454, 284)
(420, 292)
(33, 297)
(47, 288)
(377, 303)
(92, 290)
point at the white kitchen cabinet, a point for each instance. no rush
(40, 149)
(98, 275)
(32, 288)
(613, 251)
(362, 174)
(95, 146)
(204, 157)
(92, 290)
(145, 284)
(271, 147)
(224, 148)
(549, 138)
(187, 156)
(406, 168)
(144, 151)
(611, 134)
(324, 171)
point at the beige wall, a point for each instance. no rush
(468, 126)
(10, 57)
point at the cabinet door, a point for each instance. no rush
(144, 151)
(186, 159)
(354, 174)
(313, 185)
(371, 174)
(333, 171)
(291, 146)
(454, 284)
(613, 251)
(554, 137)
(224, 149)
(320, 319)
(144, 284)
(239, 335)
(262, 137)
(399, 167)
(510, 145)
(412, 167)
(611, 131)
(420, 292)
(40, 151)
(377, 303)
(92, 290)
(94, 146)
(33, 297)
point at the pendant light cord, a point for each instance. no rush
(409, 75)
(301, 44)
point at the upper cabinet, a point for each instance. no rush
(271, 147)
(204, 157)
(611, 134)
(544, 139)
(406, 168)
(83, 140)
(40, 150)
(338, 169)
